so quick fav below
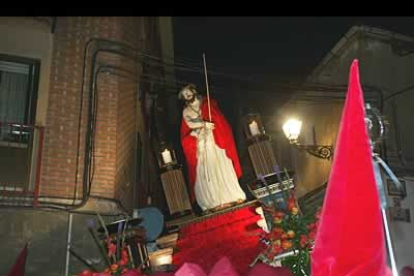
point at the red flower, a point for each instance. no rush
(277, 230)
(278, 250)
(286, 228)
(279, 214)
(312, 235)
(303, 240)
(132, 272)
(108, 240)
(111, 249)
(312, 226)
(270, 255)
(276, 233)
(123, 262)
(291, 203)
(86, 273)
(124, 253)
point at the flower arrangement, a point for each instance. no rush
(291, 235)
(115, 252)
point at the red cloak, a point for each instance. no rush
(223, 136)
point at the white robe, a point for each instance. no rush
(216, 180)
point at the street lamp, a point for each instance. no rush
(292, 129)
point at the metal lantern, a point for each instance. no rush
(377, 125)
(161, 260)
(166, 155)
(292, 129)
(253, 126)
(260, 149)
(173, 183)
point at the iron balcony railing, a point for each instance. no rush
(21, 149)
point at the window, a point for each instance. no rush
(18, 95)
(18, 89)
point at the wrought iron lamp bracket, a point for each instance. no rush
(324, 152)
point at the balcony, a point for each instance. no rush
(20, 163)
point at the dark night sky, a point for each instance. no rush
(269, 46)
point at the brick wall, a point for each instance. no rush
(117, 111)
(150, 185)
(127, 118)
(126, 142)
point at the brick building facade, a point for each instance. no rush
(95, 99)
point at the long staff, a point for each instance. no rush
(208, 93)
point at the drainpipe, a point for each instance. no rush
(69, 239)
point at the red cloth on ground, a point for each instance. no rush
(190, 269)
(233, 235)
(222, 268)
(20, 264)
(223, 137)
(163, 274)
(407, 271)
(225, 268)
(261, 269)
(350, 239)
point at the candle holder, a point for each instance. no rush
(260, 149)
(253, 127)
(161, 260)
(166, 156)
(175, 188)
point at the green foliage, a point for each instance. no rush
(299, 264)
